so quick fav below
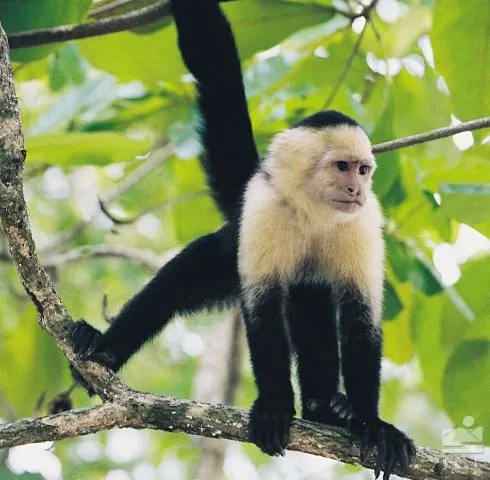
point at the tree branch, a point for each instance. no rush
(104, 26)
(117, 23)
(137, 410)
(146, 258)
(348, 64)
(52, 313)
(432, 135)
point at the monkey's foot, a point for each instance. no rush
(392, 447)
(88, 345)
(335, 411)
(269, 427)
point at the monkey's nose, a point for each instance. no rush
(352, 190)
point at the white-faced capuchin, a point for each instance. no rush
(301, 252)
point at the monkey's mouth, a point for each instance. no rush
(347, 205)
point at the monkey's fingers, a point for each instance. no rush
(389, 461)
(382, 452)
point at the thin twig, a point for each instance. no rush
(348, 64)
(155, 160)
(146, 258)
(366, 14)
(477, 124)
(111, 7)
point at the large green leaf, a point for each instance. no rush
(398, 345)
(257, 24)
(466, 202)
(22, 15)
(93, 95)
(461, 42)
(31, 364)
(467, 385)
(80, 148)
(400, 37)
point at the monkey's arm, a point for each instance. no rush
(209, 51)
(203, 275)
(361, 347)
(272, 412)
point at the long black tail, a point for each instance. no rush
(209, 51)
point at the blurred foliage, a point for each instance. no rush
(93, 109)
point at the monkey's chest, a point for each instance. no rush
(332, 257)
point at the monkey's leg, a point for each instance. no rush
(312, 323)
(361, 351)
(272, 412)
(203, 275)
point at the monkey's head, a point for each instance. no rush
(324, 160)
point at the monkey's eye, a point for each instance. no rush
(343, 166)
(363, 169)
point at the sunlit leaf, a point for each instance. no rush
(461, 41)
(465, 202)
(66, 68)
(22, 15)
(79, 148)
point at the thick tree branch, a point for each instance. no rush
(52, 313)
(477, 124)
(137, 410)
(104, 26)
(117, 23)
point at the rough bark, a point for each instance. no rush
(137, 410)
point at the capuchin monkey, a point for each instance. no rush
(301, 252)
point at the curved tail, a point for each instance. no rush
(209, 51)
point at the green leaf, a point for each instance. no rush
(399, 258)
(399, 37)
(426, 329)
(94, 94)
(79, 148)
(22, 15)
(398, 344)
(461, 42)
(424, 278)
(388, 170)
(154, 57)
(66, 67)
(31, 363)
(200, 215)
(392, 305)
(466, 202)
(467, 384)
(418, 106)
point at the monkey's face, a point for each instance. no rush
(330, 167)
(342, 184)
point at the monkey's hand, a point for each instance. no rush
(392, 447)
(88, 345)
(269, 426)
